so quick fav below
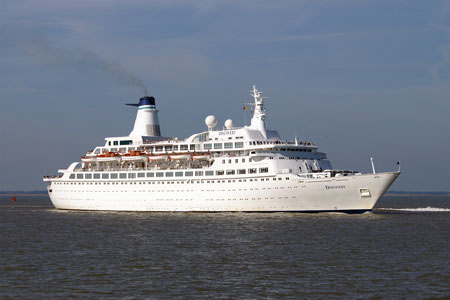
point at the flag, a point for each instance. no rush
(398, 163)
(243, 108)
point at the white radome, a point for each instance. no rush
(211, 121)
(229, 124)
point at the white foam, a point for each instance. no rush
(419, 209)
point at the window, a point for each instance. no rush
(219, 173)
(183, 147)
(230, 172)
(141, 175)
(263, 170)
(116, 143)
(105, 176)
(241, 171)
(188, 173)
(150, 174)
(159, 174)
(122, 175)
(198, 173)
(178, 174)
(217, 145)
(131, 175)
(126, 142)
(192, 147)
(79, 176)
(243, 160)
(159, 148)
(88, 176)
(251, 171)
(228, 145)
(168, 148)
(169, 174)
(207, 146)
(96, 176)
(239, 145)
(209, 173)
(72, 176)
(113, 175)
(175, 148)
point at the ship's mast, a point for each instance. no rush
(258, 119)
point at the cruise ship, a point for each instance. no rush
(232, 169)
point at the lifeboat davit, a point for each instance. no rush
(201, 156)
(135, 156)
(180, 156)
(108, 157)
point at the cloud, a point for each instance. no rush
(81, 60)
(440, 71)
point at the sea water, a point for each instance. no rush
(401, 250)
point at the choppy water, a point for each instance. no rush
(400, 251)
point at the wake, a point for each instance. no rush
(419, 209)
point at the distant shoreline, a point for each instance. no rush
(397, 193)
(23, 193)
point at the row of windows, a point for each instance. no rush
(173, 182)
(170, 148)
(116, 143)
(194, 147)
(165, 174)
(293, 149)
(219, 146)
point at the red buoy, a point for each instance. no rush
(14, 198)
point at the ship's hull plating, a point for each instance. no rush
(264, 194)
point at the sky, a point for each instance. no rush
(360, 78)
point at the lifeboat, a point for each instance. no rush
(158, 157)
(180, 156)
(108, 157)
(89, 159)
(135, 156)
(201, 156)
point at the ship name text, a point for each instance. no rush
(333, 187)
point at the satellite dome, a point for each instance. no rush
(229, 124)
(211, 121)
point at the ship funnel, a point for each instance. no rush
(147, 123)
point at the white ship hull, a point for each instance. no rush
(348, 194)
